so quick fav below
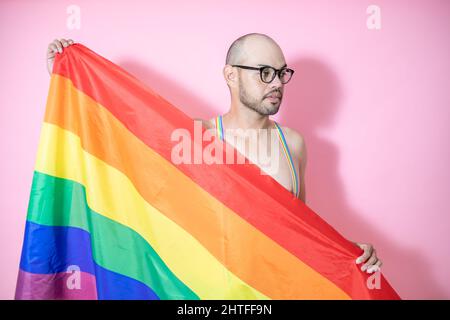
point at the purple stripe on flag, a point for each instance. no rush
(77, 285)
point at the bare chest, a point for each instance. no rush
(269, 156)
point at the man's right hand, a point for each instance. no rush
(57, 46)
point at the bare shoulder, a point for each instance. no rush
(208, 124)
(294, 139)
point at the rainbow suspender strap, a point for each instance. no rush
(287, 153)
(288, 156)
(219, 127)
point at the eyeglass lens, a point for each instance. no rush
(268, 74)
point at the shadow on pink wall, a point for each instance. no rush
(310, 104)
(316, 91)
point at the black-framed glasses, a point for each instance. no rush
(268, 73)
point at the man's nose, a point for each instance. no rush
(276, 83)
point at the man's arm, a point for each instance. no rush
(302, 169)
(297, 145)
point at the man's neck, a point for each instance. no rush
(246, 119)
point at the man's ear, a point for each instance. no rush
(230, 75)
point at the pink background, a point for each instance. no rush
(373, 106)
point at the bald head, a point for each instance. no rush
(252, 46)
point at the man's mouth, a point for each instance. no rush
(274, 97)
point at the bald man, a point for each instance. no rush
(256, 72)
(253, 101)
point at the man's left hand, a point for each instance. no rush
(369, 257)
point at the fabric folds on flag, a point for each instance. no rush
(111, 216)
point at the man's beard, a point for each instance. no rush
(255, 104)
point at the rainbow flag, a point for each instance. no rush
(110, 216)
